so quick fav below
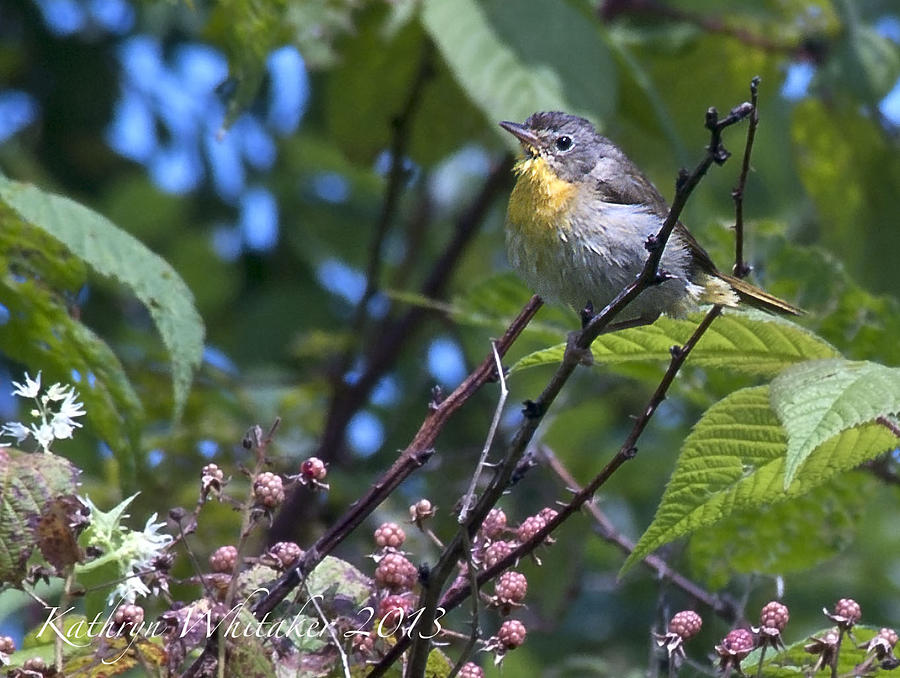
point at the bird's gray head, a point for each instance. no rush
(570, 145)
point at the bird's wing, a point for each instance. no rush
(633, 188)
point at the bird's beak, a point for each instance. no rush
(522, 133)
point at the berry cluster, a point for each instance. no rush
(284, 554)
(268, 491)
(390, 535)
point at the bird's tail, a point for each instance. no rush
(753, 296)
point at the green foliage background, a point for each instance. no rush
(822, 232)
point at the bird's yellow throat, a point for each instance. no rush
(540, 200)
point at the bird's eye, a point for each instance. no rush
(564, 143)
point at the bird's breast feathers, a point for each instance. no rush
(541, 202)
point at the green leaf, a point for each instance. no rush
(373, 84)
(747, 342)
(249, 31)
(114, 253)
(817, 400)
(795, 662)
(792, 536)
(494, 302)
(504, 54)
(28, 482)
(863, 325)
(862, 62)
(246, 654)
(734, 460)
(336, 575)
(849, 169)
(316, 24)
(41, 332)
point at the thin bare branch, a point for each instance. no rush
(492, 431)
(741, 268)
(607, 531)
(410, 459)
(535, 410)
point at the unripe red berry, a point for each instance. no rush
(737, 644)
(686, 624)
(313, 469)
(287, 553)
(128, 617)
(390, 535)
(496, 552)
(548, 514)
(511, 634)
(223, 559)
(530, 527)
(395, 572)
(774, 615)
(393, 610)
(511, 587)
(268, 490)
(470, 670)
(881, 644)
(848, 609)
(889, 635)
(494, 523)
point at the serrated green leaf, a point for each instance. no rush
(503, 53)
(792, 536)
(27, 483)
(114, 253)
(816, 400)
(734, 460)
(41, 332)
(794, 661)
(747, 342)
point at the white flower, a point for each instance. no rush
(62, 427)
(127, 590)
(58, 392)
(15, 429)
(44, 435)
(132, 551)
(31, 388)
(140, 548)
(70, 407)
(51, 425)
